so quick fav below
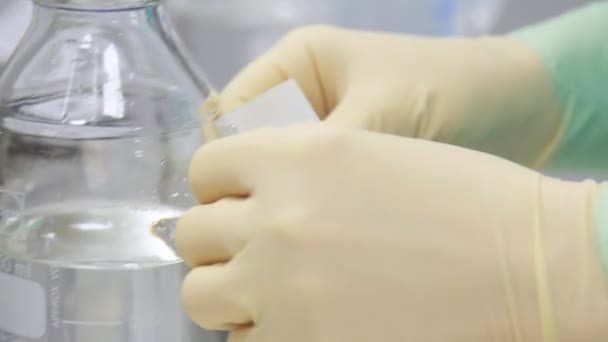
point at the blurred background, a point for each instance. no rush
(223, 35)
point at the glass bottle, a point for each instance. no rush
(98, 122)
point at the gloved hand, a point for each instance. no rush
(504, 95)
(322, 233)
(490, 94)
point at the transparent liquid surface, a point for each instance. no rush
(90, 234)
(83, 190)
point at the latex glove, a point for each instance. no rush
(494, 94)
(325, 234)
(471, 92)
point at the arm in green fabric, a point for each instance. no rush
(574, 50)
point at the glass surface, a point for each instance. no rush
(98, 122)
(97, 4)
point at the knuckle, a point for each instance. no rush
(325, 142)
(309, 33)
(192, 299)
(183, 235)
(195, 169)
(198, 300)
(289, 229)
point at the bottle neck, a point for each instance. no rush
(56, 15)
(86, 28)
(97, 5)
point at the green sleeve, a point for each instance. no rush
(574, 50)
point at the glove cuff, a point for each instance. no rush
(574, 214)
(573, 49)
(601, 225)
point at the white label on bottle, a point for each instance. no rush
(22, 307)
(281, 106)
